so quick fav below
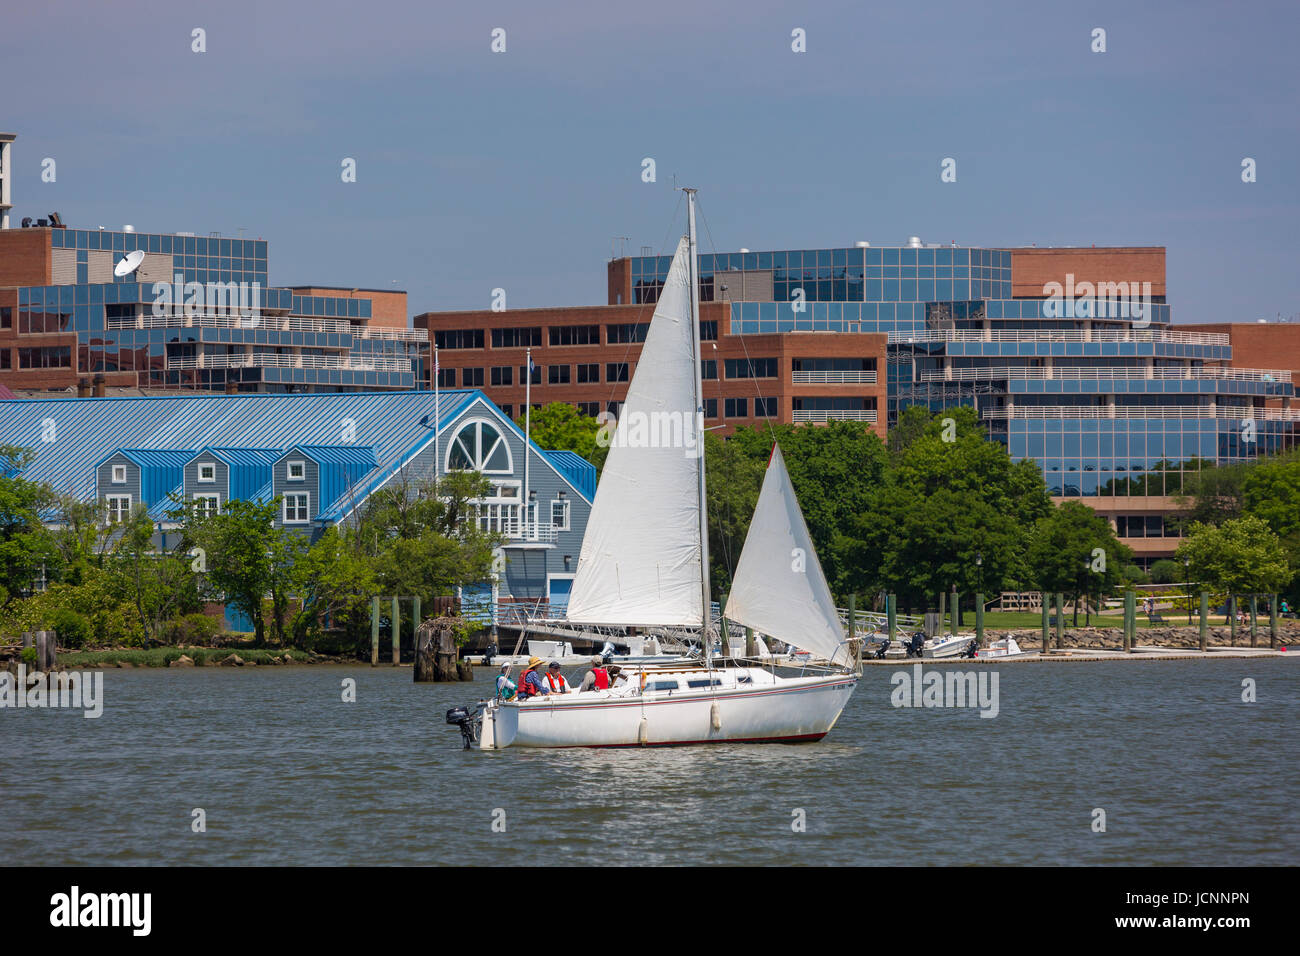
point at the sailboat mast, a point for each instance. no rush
(694, 280)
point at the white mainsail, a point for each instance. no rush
(779, 587)
(640, 558)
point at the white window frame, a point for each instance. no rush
(568, 509)
(480, 462)
(215, 501)
(212, 476)
(284, 510)
(290, 466)
(111, 509)
(119, 474)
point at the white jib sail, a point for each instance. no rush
(779, 587)
(640, 558)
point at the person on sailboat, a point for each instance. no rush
(505, 686)
(555, 681)
(597, 678)
(530, 681)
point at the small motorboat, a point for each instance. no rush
(1007, 647)
(948, 645)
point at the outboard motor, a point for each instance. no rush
(971, 649)
(607, 652)
(914, 645)
(881, 648)
(469, 721)
(490, 653)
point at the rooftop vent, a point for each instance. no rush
(914, 242)
(860, 244)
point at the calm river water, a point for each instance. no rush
(288, 773)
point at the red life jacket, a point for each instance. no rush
(551, 680)
(602, 677)
(525, 689)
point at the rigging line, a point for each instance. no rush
(627, 350)
(767, 419)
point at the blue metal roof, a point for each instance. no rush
(342, 467)
(580, 472)
(87, 430)
(250, 468)
(158, 510)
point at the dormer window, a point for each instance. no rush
(119, 474)
(207, 472)
(297, 471)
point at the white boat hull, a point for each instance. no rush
(939, 648)
(762, 709)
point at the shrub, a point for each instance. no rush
(73, 628)
(191, 629)
(1132, 574)
(28, 656)
(1166, 571)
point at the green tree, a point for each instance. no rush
(734, 479)
(160, 584)
(1242, 555)
(246, 557)
(1166, 571)
(834, 469)
(1074, 551)
(560, 426)
(1213, 494)
(25, 545)
(333, 582)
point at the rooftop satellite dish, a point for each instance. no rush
(129, 263)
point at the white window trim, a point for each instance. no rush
(288, 471)
(284, 509)
(212, 478)
(108, 508)
(568, 511)
(214, 498)
(119, 470)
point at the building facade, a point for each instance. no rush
(96, 310)
(322, 456)
(1068, 354)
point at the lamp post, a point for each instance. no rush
(1187, 576)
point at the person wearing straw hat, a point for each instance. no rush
(505, 686)
(530, 681)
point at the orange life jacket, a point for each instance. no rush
(551, 680)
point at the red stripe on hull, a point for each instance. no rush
(684, 743)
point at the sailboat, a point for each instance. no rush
(644, 562)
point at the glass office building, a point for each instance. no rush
(1100, 390)
(196, 312)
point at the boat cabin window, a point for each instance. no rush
(704, 682)
(662, 685)
(744, 679)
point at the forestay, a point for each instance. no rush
(779, 587)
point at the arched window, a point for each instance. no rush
(479, 446)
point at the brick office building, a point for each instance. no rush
(585, 356)
(1091, 379)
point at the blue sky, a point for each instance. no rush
(478, 170)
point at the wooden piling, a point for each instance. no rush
(1043, 596)
(955, 612)
(1232, 613)
(891, 615)
(1272, 621)
(1254, 617)
(397, 631)
(979, 620)
(1130, 619)
(374, 632)
(1205, 620)
(1060, 618)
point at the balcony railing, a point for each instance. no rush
(538, 531)
(277, 323)
(346, 363)
(834, 414)
(1121, 372)
(854, 377)
(1095, 335)
(1136, 411)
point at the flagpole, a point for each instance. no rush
(528, 423)
(437, 418)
